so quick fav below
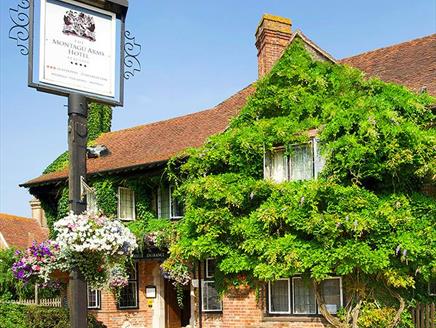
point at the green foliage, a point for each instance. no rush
(99, 121)
(24, 316)
(58, 164)
(365, 215)
(106, 193)
(13, 316)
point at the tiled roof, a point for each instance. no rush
(411, 63)
(20, 232)
(157, 142)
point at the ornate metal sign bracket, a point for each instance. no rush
(20, 30)
(132, 50)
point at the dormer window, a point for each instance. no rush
(304, 162)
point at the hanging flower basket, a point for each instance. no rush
(93, 243)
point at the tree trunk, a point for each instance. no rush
(334, 321)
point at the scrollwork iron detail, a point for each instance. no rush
(132, 50)
(20, 30)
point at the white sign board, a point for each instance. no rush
(77, 47)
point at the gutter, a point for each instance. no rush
(108, 171)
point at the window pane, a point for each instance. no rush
(91, 202)
(331, 291)
(164, 209)
(126, 198)
(177, 210)
(93, 298)
(279, 166)
(210, 268)
(128, 296)
(302, 162)
(211, 300)
(279, 296)
(319, 160)
(304, 297)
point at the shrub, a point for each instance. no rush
(24, 316)
(12, 316)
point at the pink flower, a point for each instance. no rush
(36, 267)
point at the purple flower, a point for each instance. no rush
(397, 251)
(405, 252)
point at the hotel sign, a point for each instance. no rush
(77, 47)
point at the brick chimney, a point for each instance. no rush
(38, 212)
(272, 37)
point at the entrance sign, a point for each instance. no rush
(77, 47)
(77, 58)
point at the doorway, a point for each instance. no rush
(176, 317)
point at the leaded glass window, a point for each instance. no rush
(211, 300)
(129, 294)
(279, 296)
(331, 291)
(126, 204)
(164, 202)
(94, 298)
(303, 297)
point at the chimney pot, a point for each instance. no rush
(272, 37)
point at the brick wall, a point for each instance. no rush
(241, 308)
(142, 317)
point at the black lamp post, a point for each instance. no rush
(77, 141)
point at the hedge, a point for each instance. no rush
(26, 316)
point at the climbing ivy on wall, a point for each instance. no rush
(364, 218)
(99, 121)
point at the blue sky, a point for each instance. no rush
(194, 55)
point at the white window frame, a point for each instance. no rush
(311, 147)
(291, 300)
(203, 309)
(206, 273)
(314, 145)
(97, 301)
(289, 297)
(170, 203)
(134, 280)
(270, 153)
(133, 204)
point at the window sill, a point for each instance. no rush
(289, 318)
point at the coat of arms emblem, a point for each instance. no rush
(79, 24)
